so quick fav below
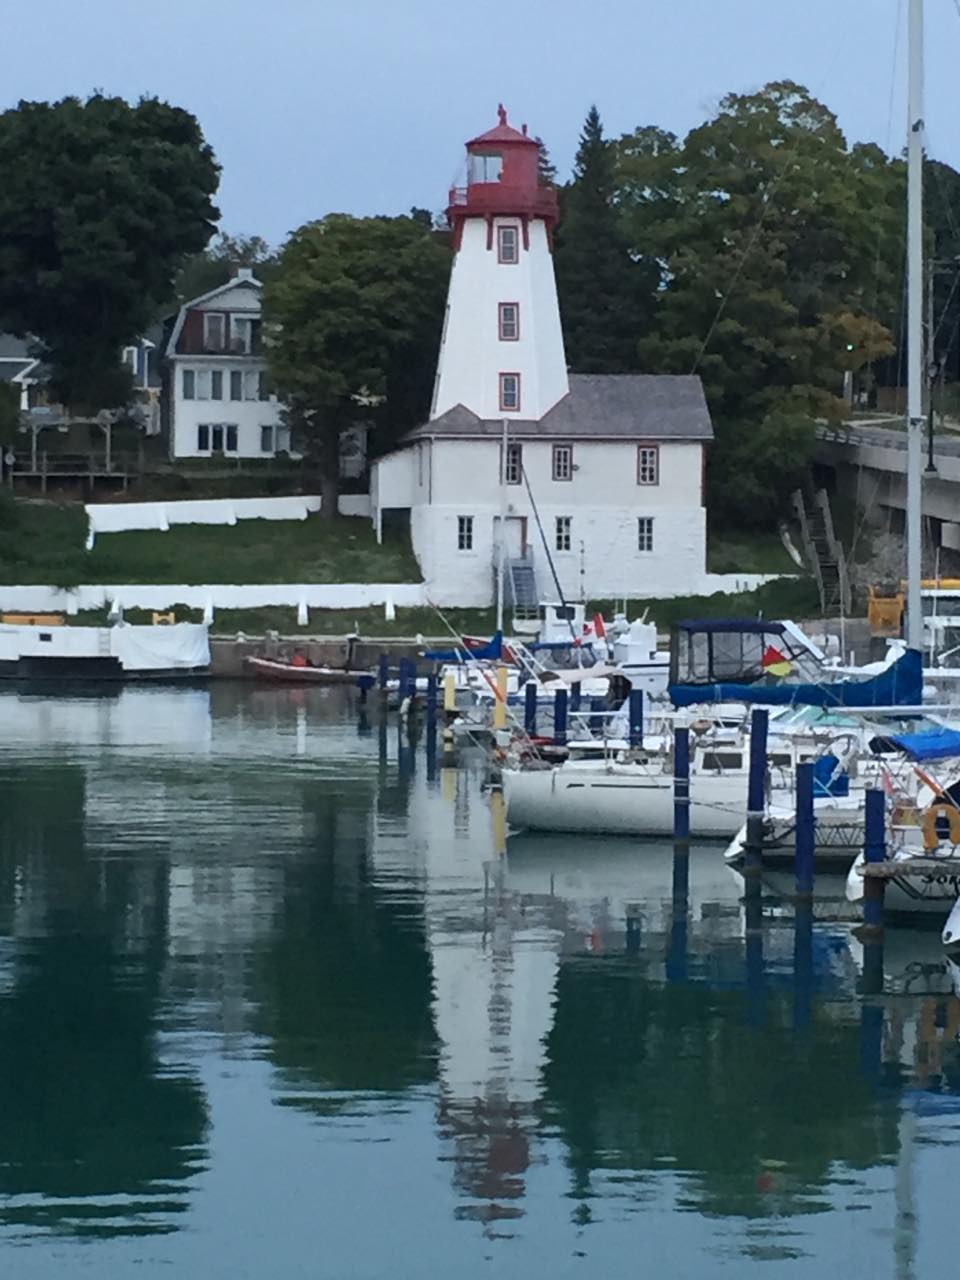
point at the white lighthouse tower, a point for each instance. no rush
(502, 349)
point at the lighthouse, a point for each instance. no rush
(502, 348)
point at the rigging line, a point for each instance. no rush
(546, 548)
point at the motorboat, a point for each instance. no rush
(48, 648)
(287, 671)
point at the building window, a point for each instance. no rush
(513, 467)
(216, 384)
(263, 387)
(508, 244)
(509, 392)
(230, 444)
(244, 335)
(648, 464)
(464, 533)
(266, 439)
(563, 462)
(129, 358)
(214, 331)
(251, 385)
(645, 533)
(203, 438)
(509, 321)
(202, 381)
(189, 385)
(216, 437)
(563, 533)
(236, 384)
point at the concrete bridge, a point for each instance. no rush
(869, 460)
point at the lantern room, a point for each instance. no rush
(503, 180)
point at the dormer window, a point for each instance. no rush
(214, 331)
(507, 244)
(244, 335)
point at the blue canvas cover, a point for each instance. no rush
(486, 652)
(938, 744)
(901, 685)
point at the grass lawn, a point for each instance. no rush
(730, 551)
(44, 542)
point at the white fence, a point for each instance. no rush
(318, 595)
(118, 517)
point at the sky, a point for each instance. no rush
(363, 106)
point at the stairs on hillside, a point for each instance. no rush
(823, 552)
(521, 589)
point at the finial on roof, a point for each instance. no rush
(502, 112)
(523, 130)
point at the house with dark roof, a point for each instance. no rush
(582, 484)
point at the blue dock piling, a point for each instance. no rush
(432, 698)
(530, 708)
(636, 717)
(756, 791)
(560, 717)
(804, 838)
(874, 849)
(576, 693)
(681, 785)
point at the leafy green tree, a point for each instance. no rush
(216, 264)
(9, 413)
(353, 322)
(605, 291)
(100, 204)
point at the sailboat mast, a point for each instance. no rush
(915, 138)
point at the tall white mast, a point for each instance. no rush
(915, 135)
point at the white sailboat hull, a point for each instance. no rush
(932, 894)
(620, 800)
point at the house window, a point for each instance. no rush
(244, 335)
(648, 464)
(230, 444)
(263, 387)
(214, 331)
(266, 439)
(507, 244)
(509, 392)
(203, 438)
(216, 384)
(513, 468)
(563, 462)
(251, 385)
(645, 533)
(464, 533)
(563, 533)
(236, 384)
(203, 384)
(189, 385)
(129, 358)
(509, 328)
(216, 437)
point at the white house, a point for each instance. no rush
(594, 481)
(219, 401)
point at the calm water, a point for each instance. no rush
(270, 1005)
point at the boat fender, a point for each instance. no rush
(928, 824)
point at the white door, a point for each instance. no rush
(516, 536)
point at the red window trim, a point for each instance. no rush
(508, 226)
(513, 408)
(656, 450)
(553, 464)
(500, 333)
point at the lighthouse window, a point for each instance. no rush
(507, 244)
(486, 168)
(563, 533)
(563, 462)
(645, 533)
(648, 464)
(464, 533)
(509, 321)
(509, 392)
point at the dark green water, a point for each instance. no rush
(271, 1006)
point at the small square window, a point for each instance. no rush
(189, 384)
(216, 385)
(203, 438)
(563, 533)
(464, 533)
(508, 244)
(563, 462)
(648, 464)
(509, 321)
(236, 384)
(509, 392)
(645, 533)
(266, 439)
(513, 467)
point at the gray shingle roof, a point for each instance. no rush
(599, 406)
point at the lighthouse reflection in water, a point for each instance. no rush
(278, 997)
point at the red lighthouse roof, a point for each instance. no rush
(502, 132)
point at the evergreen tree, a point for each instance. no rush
(605, 290)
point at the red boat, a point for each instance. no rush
(301, 673)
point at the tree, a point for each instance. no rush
(605, 291)
(216, 264)
(353, 322)
(100, 204)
